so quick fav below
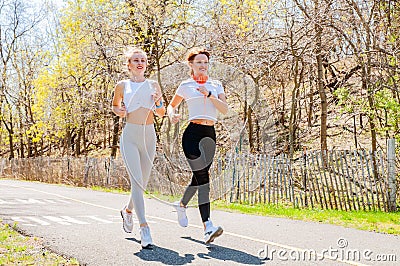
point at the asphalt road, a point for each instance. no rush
(86, 224)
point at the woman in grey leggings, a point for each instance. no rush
(137, 99)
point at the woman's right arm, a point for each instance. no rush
(117, 107)
(174, 117)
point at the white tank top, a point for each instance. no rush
(199, 106)
(138, 94)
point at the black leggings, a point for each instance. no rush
(198, 143)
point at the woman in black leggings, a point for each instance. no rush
(204, 97)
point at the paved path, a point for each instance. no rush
(86, 224)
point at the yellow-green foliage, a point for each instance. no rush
(61, 88)
(245, 14)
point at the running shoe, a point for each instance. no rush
(211, 232)
(182, 218)
(145, 237)
(127, 221)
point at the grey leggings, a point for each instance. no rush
(138, 148)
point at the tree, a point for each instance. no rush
(19, 60)
(241, 37)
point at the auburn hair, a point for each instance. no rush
(196, 51)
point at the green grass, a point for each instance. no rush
(376, 221)
(16, 249)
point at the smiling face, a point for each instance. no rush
(137, 63)
(199, 65)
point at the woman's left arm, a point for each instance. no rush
(220, 102)
(157, 97)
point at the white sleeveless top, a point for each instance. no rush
(200, 107)
(138, 94)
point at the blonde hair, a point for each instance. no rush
(130, 51)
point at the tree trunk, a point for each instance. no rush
(293, 112)
(321, 87)
(250, 127)
(115, 137)
(310, 107)
(10, 138)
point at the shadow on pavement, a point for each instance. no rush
(163, 255)
(227, 254)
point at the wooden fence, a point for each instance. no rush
(86, 172)
(342, 180)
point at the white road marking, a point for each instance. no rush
(56, 201)
(64, 201)
(37, 220)
(50, 201)
(6, 202)
(29, 201)
(17, 201)
(173, 221)
(97, 219)
(68, 220)
(64, 220)
(22, 221)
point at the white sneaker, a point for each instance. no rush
(182, 218)
(211, 232)
(127, 221)
(145, 237)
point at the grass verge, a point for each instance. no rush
(376, 221)
(16, 249)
